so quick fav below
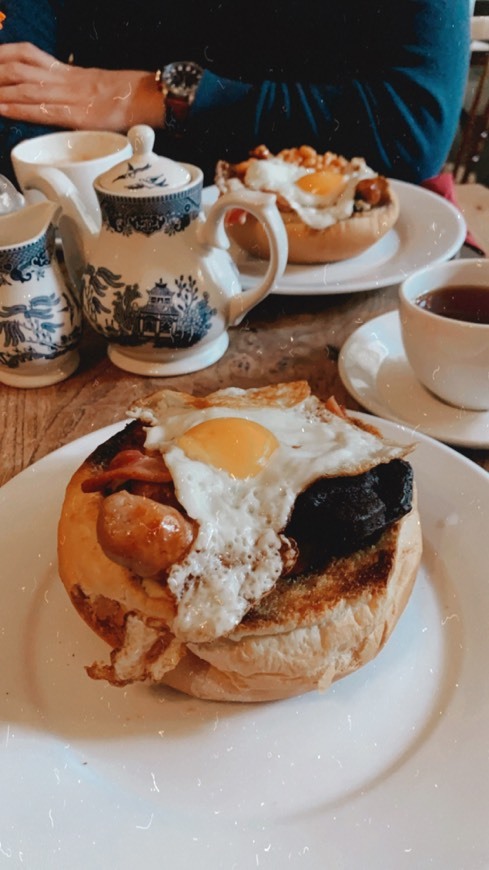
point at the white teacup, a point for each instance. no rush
(81, 154)
(449, 354)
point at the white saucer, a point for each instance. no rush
(165, 362)
(374, 369)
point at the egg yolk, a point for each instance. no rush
(240, 447)
(322, 183)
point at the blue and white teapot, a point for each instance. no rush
(157, 279)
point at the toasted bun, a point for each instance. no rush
(374, 215)
(342, 240)
(325, 627)
(303, 635)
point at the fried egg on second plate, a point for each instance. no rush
(320, 197)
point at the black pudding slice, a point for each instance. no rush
(336, 516)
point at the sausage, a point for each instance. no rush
(141, 534)
(374, 191)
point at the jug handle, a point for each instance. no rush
(75, 224)
(263, 207)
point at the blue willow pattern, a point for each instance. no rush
(27, 261)
(28, 329)
(170, 318)
(150, 215)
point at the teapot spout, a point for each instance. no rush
(77, 227)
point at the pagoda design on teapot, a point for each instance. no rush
(178, 316)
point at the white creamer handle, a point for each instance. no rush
(56, 186)
(76, 226)
(263, 207)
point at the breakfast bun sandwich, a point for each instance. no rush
(332, 208)
(248, 545)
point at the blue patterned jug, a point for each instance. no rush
(156, 276)
(40, 314)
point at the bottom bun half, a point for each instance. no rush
(340, 241)
(305, 634)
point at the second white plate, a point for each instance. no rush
(374, 369)
(429, 230)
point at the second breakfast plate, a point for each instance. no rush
(387, 769)
(429, 230)
(374, 369)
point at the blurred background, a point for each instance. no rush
(469, 157)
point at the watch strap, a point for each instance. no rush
(176, 105)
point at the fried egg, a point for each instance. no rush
(238, 459)
(320, 197)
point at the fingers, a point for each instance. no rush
(38, 94)
(26, 53)
(34, 92)
(68, 112)
(37, 88)
(29, 77)
(17, 71)
(57, 115)
(62, 95)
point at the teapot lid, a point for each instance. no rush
(144, 173)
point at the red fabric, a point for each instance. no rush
(444, 184)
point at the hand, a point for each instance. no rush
(36, 87)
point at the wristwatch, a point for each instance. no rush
(178, 82)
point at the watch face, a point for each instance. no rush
(182, 77)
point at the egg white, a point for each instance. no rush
(235, 558)
(316, 210)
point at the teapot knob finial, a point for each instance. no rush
(142, 138)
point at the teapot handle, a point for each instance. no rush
(263, 207)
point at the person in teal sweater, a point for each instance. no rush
(382, 79)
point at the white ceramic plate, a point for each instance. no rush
(374, 369)
(388, 769)
(429, 230)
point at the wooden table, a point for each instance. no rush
(282, 339)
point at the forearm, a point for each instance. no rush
(396, 99)
(399, 126)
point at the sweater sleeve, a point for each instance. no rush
(397, 105)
